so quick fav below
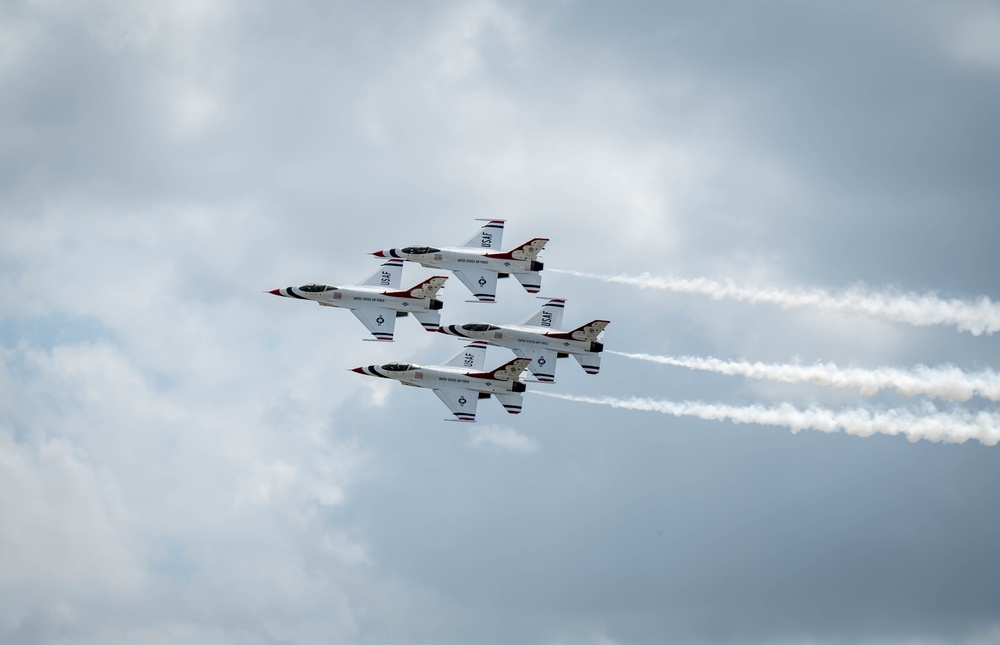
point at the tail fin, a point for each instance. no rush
(490, 236)
(550, 315)
(471, 356)
(591, 363)
(426, 289)
(387, 275)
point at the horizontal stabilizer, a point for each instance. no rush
(527, 251)
(590, 331)
(511, 401)
(506, 372)
(530, 280)
(426, 289)
(429, 320)
(591, 363)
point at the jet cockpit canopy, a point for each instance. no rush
(398, 367)
(316, 288)
(479, 327)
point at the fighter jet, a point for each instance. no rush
(539, 339)
(479, 262)
(460, 383)
(377, 302)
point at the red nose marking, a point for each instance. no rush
(379, 254)
(276, 292)
(359, 370)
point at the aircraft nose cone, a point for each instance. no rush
(379, 254)
(359, 370)
(276, 292)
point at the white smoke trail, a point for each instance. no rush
(957, 426)
(979, 317)
(949, 383)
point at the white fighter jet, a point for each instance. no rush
(479, 262)
(460, 382)
(378, 301)
(540, 339)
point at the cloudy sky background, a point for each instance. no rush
(184, 458)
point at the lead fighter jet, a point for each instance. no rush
(460, 383)
(479, 262)
(377, 302)
(539, 339)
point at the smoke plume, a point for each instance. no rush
(956, 426)
(946, 382)
(976, 317)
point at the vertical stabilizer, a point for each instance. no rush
(470, 357)
(387, 275)
(490, 236)
(549, 316)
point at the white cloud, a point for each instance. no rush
(974, 33)
(458, 47)
(106, 466)
(346, 550)
(503, 438)
(65, 526)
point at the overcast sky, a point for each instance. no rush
(186, 459)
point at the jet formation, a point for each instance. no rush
(537, 342)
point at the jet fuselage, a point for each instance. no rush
(358, 296)
(459, 258)
(524, 337)
(440, 377)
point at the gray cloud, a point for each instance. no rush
(198, 442)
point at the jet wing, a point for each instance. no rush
(543, 363)
(379, 321)
(482, 284)
(460, 401)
